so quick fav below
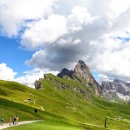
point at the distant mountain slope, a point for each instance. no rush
(116, 89)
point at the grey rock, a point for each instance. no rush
(82, 70)
(116, 89)
(81, 73)
(65, 73)
(37, 84)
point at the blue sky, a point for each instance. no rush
(13, 55)
(60, 33)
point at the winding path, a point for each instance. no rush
(6, 125)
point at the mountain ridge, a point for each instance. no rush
(81, 73)
(111, 90)
(116, 89)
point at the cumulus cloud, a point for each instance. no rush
(79, 16)
(15, 13)
(112, 58)
(30, 77)
(6, 73)
(98, 44)
(44, 31)
(62, 32)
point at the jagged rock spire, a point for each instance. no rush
(81, 71)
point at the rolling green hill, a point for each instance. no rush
(63, 105)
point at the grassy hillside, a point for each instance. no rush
(65, 106)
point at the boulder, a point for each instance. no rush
(37, 84)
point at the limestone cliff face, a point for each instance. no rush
(116, 89)
(82, 73)
(82, 70)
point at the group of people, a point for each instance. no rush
(12, 120)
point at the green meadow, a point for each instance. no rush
(61, 108)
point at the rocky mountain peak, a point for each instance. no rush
(82, 70)
(121, 82)
(117, 80)
(116, 89)
(82, 63)
(81, 73)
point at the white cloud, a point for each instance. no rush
(103, 77)
(44, 31)
(30, 77)
(13, 13)
(66, 31)
(48, 31)
(97, 40)
(111, 58)
(6, 73)
(36, 59)
(119, 8)
(79, 17)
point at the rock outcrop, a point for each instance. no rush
(81, 73)
(65, 73)
(116, 89)
(37, 84)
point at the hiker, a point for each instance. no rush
(17, 119)
(2, 121)
(10, 121)
(35, 110)
(14, 120)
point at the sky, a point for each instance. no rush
(38, 37)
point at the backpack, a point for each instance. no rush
(14, 118)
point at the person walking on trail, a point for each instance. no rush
(14, 120)
(17, 119)
(35, 110)
(2, 121)
(10, 121)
